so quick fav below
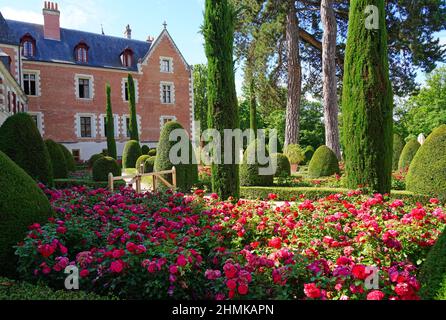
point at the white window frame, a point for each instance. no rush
(40, 123)
(123, 83)
(91, 87)
(124, 125)
(93, 125)
(164, 118)
(172, 92)
(162, 59)
(37, 74)
(115, 124)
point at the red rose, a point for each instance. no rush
(358, 272)
(230, 271)
(275, 243)
(375, 295)
(84, 273)
(243, 289)
(272, 196)
(117, 266)
(133, 227)
(181, 261)
(312, 291)
(231, 284)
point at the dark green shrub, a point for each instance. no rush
(70, 183)
(69, 159)
(93, 159)
(152, 153)
(408, 153)
(133, 125)
(309, 152)
(110, 126)
(132, 151)
(433, 272)
(323, 164)
(141, 160)
(22, 203)
(148, 161)
(145, 150)
(187, 174)
(398, 146)
(250, 167)
(283, 165)
(57, 157)
(427, 172)
(103, 166)
(21, 141)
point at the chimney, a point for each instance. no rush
(150, 39)
(51, 18)
(128, 32)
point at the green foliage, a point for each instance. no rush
(433, 272)
(21, 141)
(408, 153)
(22, 203)
(134, 134)
(294, 153)
(427, 172)
(69, 159)
(131, 153)
(250, 174)
(141, 160)
(200, 75)
(218, 31)
(398, 146)
(187, 173)
(60, 169)
(283, 165)
(323, 164)
(93, 159)
(309, 152)
(103, 166)
(367, 102)
(110, 126)
(145, 150)
(152, 152)
(61, 184)
(148, 161)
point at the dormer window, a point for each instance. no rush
(127, 58)
(28, 46)
(81, 53)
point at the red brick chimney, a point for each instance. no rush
(51, 21)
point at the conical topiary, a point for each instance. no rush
(250, 174)
(69, 159)
(58, 162)
(408, 153)
(398, 146)
(323, 164)
(131, 153)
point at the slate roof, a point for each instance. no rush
(5, 33)
(104, 51)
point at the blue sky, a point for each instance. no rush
(184, 18)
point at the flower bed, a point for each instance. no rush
(158, 246)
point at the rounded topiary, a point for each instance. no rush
(308, 154)
(398, 146)
(427, 172)
(282, 163)
(103, 167)
(60, 170)
(69, 159)
(145, 150)
(323, 164)
(22, 203)
(187, 173)
(152, 153)
(250, 174)
(132, 151)
(408, 153)
(294, 153)
(147, 161)
(21, 141)
(94, 158)
(433, 272)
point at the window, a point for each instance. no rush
(126, 91)
(166, 64)
(125, 88)
(84, 88)
(127, 126)
(28, 45)
(36, 119)
(167, 93)
(166, 119)
(81, 53)
(76, 155)
(105, 126)
(127, 58)
(85, 123)
(30, 84)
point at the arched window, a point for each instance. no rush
(81, 53)
(28, 45)
(127, 58)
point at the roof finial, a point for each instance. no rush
(165, 25)
(102, 27)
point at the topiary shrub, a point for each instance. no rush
(323, 164)
(152, 153)
(21, 141)
(294, 153)
(427, 172)
(145, 150)
(22, 203)
(132, 151)
(283, 165)
(308, 154)
(69, 159)
(58, 162)
(102, 168)
(141, 160)
(94, 158)
(398, 146)
(433, 272)
(148, 161)
(250, 167)
(408, 153)
(187, 174)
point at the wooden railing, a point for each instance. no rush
(137, 179)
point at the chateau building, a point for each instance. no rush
(63, 74)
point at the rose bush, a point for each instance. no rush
(157, 246)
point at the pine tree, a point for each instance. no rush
(218, 31)
(110, 127)
(367, 104)
(134, 135)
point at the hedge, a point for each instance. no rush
(70, 183)
(93, 159)
(60, 170)
(69, 159)
(13, 290)
(250, 167)
(427, 172)
(323, 164)
(103, 167)
(21, 141)
(408, 153)
(22, 203)
(131, 153)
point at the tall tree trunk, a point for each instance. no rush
(294, 77)
(331, 109)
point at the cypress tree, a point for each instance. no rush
(218, 32)
(132, 108)
(367, 103)
(110, 125)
